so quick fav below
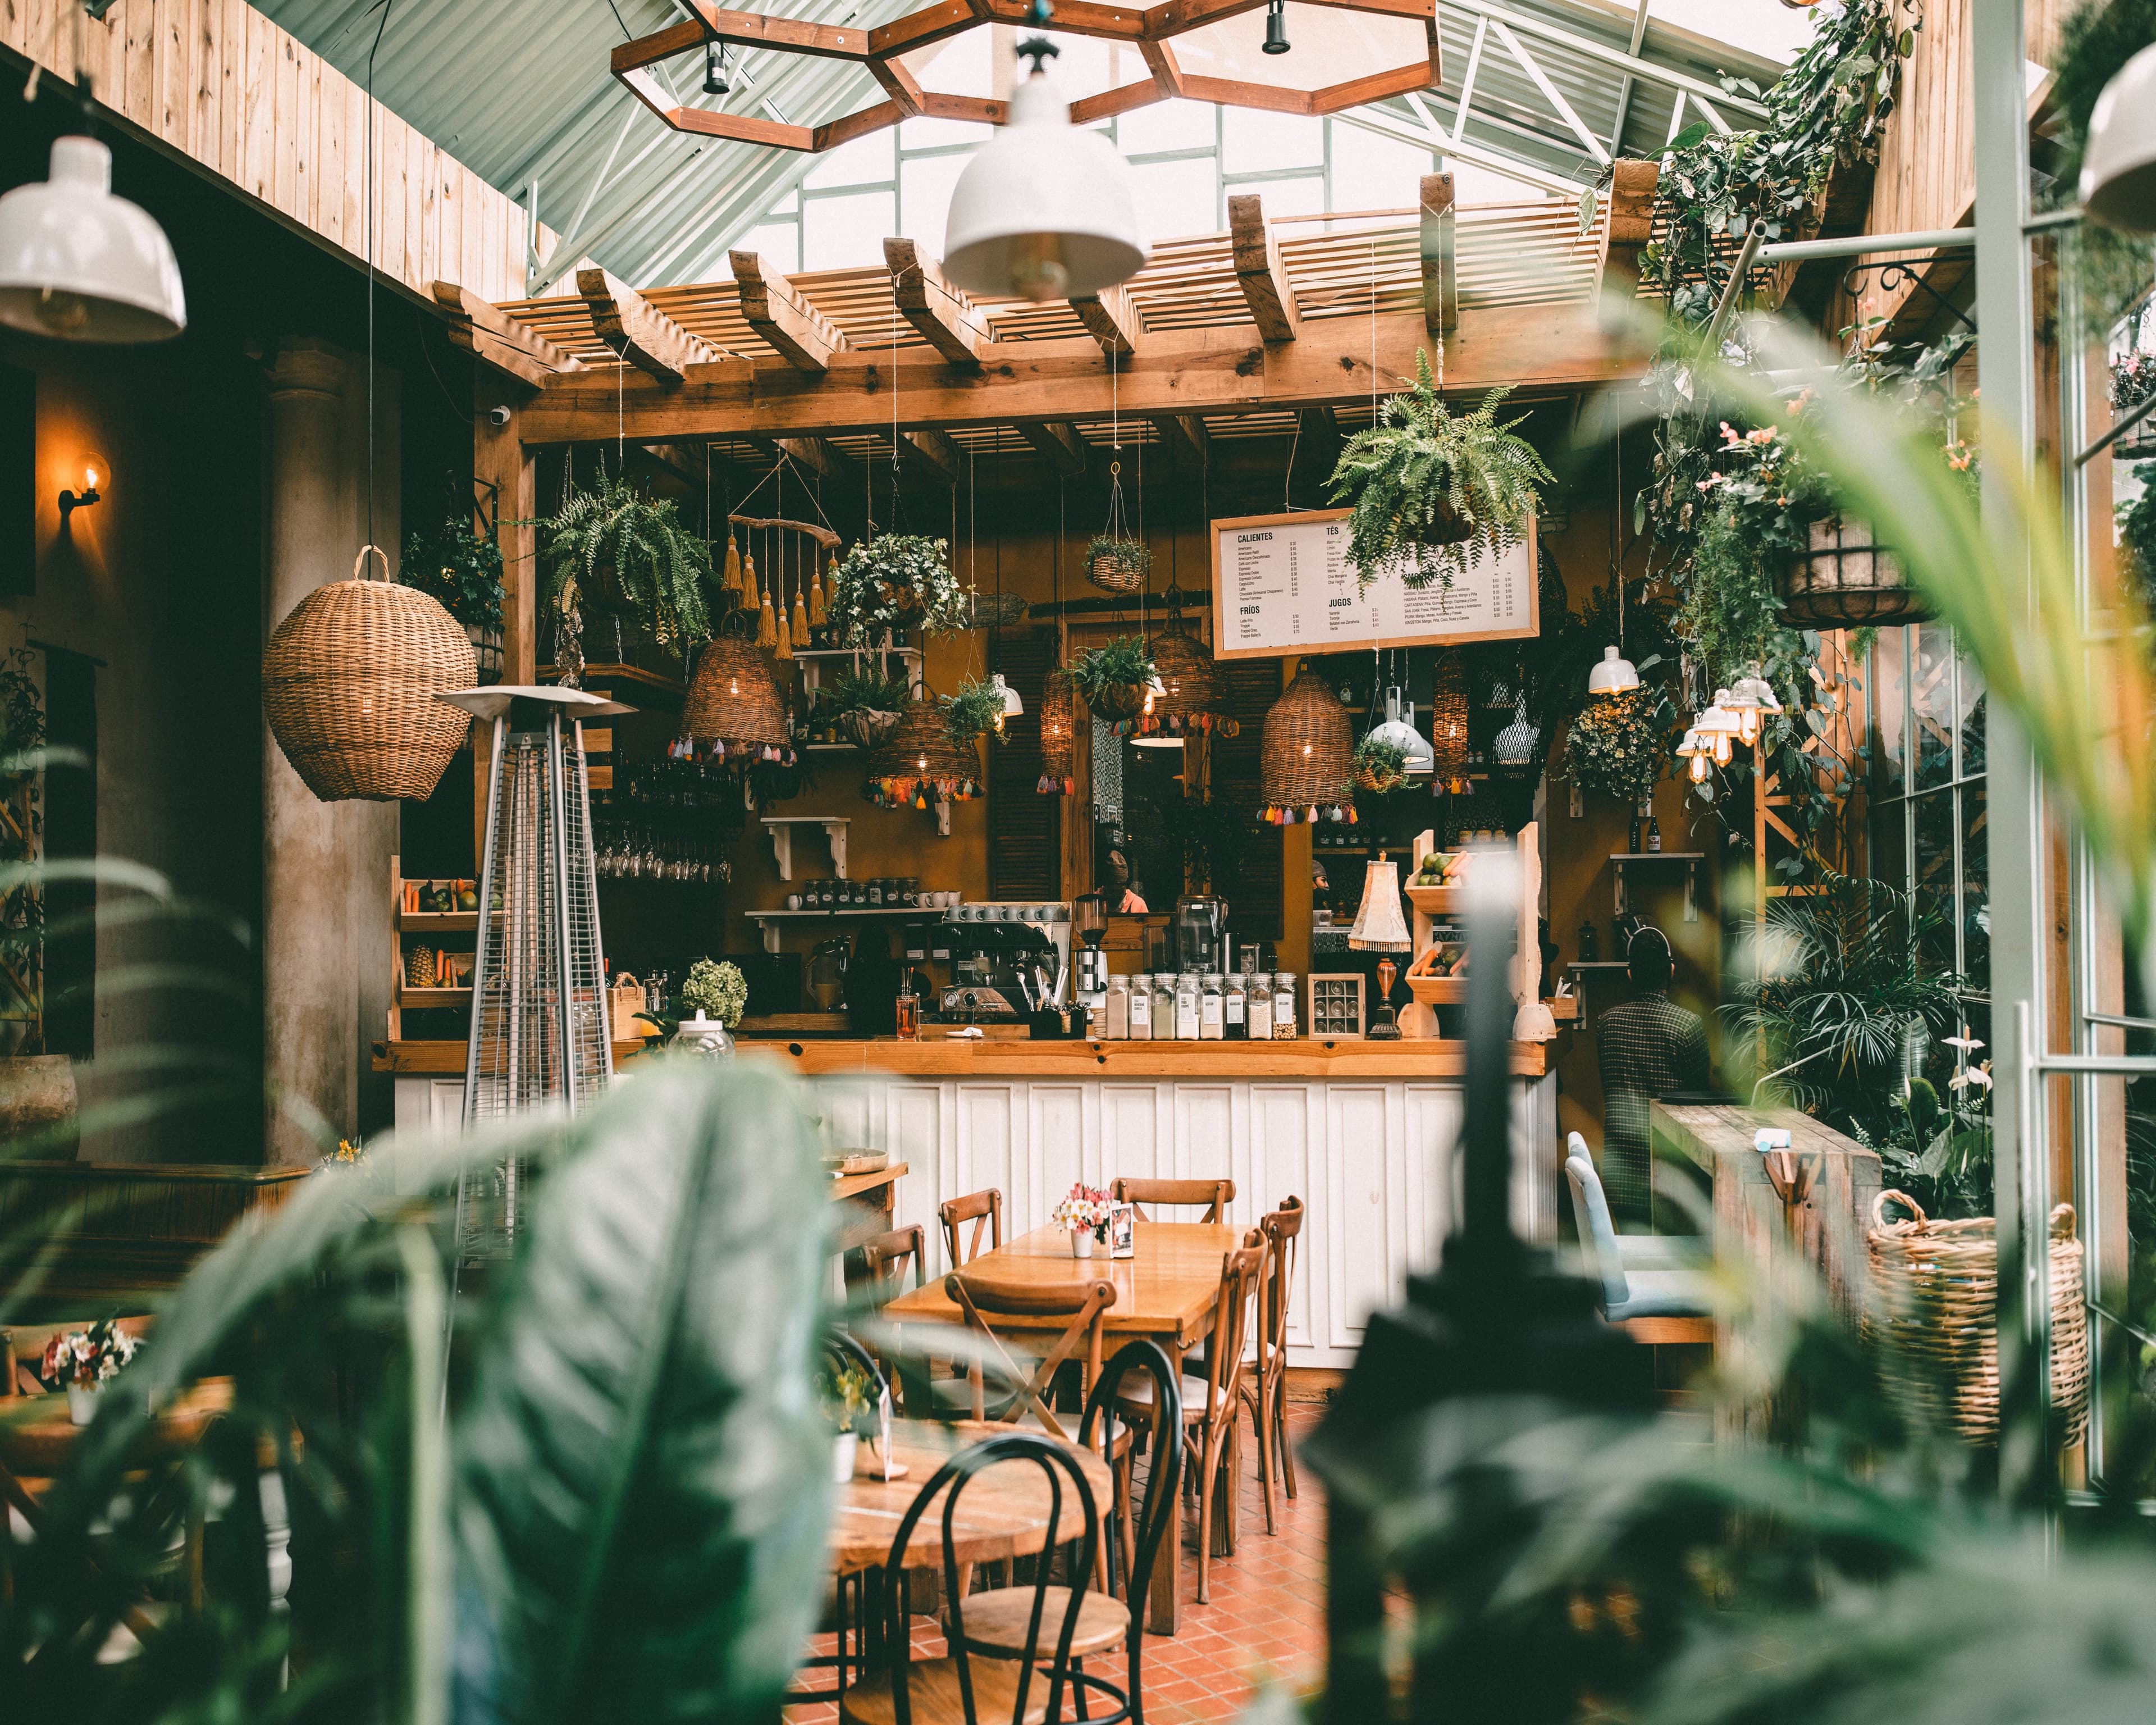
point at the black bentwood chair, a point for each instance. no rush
(958, 1689)
(848, 1613)
(997, 1621)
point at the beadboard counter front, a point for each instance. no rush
(1017, 1057)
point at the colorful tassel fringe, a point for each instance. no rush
(1055, 788)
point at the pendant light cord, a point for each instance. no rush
(387, 5)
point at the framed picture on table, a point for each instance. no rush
(1122, 1230)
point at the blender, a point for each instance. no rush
(1201, 929)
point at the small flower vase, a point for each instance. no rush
(1081, 1242)
(82, 1403)
(843, 1452)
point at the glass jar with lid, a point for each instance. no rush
(1283, 1006)
(1186, 1007)
(1258, 1006)
(1234, 1008)
(1140, 1007)
(1164, 1005)
(1212, 1007)
(1119, 1008)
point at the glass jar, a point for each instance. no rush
(1140, 1007)
(907, 1008)
(1212, 1008)
(876, 894)
(1283, 1006)
(1119, 1009)
(1186, 1007)
(1234, 1025)
(1258, 1006)
(1163, 1006)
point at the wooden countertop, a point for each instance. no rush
(992, 1058)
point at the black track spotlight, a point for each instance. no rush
(1277, 40)
(715, 81)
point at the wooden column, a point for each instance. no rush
(500, 459)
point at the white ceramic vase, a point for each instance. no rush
(843, 1453)
(1081, 1242)
(82, 1404)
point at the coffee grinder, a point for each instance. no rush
(1089, 915)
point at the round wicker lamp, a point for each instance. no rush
(1059, 735)
(1305, 755)
(348, 686)
(1191, 695)
(920, 764)
(734, 706)
(1448, 723)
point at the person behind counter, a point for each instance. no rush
(1647, 1048)
(1125, 896)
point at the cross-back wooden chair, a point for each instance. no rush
(979, 1298)
(1212, 1402)
(984, 1209)
(875, 1267)
(1216, 1195)
(1266, 1392)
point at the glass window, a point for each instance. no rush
(1889, 714)
(863, 161)
(1372, 171)
(1976, 889)
(1177, 197)
(848, 229)
(1168, 126)
(1473, 184)
(778, 244)
(1301, 196)
(925, 185)
(1254, 142)
(1932, 704)
(923, 133)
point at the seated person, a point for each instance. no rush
(1125, 896)
(1647, 1048)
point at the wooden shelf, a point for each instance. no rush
(1632, 856)
(919, 912)
(407, 996)
(438, 922)
(618, 674)
(1438, 900)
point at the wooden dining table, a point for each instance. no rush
(1166, 1293)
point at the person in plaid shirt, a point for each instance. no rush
(1648, 1048)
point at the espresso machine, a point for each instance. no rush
(1000, 972)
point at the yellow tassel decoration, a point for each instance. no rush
(767, 625)
(748, 592)
(731, 582)
(800, 617)
(785, 644)
(817, 614)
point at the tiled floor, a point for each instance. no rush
(1265, 1623)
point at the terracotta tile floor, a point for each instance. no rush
(1265, 1624)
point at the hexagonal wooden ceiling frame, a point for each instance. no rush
(1152, 29)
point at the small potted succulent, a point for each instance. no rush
(895, 582)
(83, 1362)
(1084, 1213)
(1113, 677)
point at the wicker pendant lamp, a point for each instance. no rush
(920, 765)
(734, 710)
(1448, 724)
(1059, 735)
(1190, 695)
(1305, 755)
(349, 682)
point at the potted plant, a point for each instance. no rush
(461, 567)
(717, 988)
(1084, 1213)
(1620, 743)
(1431, 493)
(865, 707)
(847, 1394)
(975, 712)
(83, 1362)
(1117, 562)
(620, 555)
(1381, 767)
(897, 582)
(1114, 675)
(2132, 382)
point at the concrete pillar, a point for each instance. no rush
(325, 939)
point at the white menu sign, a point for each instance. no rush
(1281, 584)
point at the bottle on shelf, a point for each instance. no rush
(1653, 834)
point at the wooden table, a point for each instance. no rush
(867, 1202)
(1167, 1293)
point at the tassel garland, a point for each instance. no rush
(784, 636)
(818, 614)
(730, 580)
(767, 624)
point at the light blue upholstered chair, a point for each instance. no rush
(1631, 1288)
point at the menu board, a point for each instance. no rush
(1281, 584)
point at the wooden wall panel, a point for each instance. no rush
(216, 82)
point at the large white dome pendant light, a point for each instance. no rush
(78, 264)
(1044, 209)
(2118, 164)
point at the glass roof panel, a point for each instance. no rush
(1327, 47)
(1766, 27)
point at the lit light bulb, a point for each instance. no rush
(1748, 726)
(1305, 749)
(999, 724)
(1722, 748)
(1700, 769)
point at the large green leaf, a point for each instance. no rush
(643, 1479)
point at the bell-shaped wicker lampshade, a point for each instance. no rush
(920, 764)
(1305, 755)
(1059, 735)
(1448, 723)
(1189, 695)
(734, 708)
(348, 685)
(1379, 927)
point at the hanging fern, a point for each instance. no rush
(618, 543)
(1419, 477)
(974, 711)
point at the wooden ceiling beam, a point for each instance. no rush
(1625, 233)
(934, 449)
(1060, 444)
(814, 456)
(1112, 318)
(1185, 434)
(802, 337)
(487, 333)
(1441, 277)
(1258, 271)
(638, 330)
(941, 313)
(1225, 369)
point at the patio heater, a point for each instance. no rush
(540, 1035)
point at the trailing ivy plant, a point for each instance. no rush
(895, 580)
(975, 710)
(616, 544)
(1619, 744)
(1432, 493)
(460, 567)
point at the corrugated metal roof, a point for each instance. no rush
(520, 91)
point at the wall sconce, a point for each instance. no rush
(91, 473)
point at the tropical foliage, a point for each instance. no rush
(1123, 663)
(1433, 493)
(1619, 744)
(2137, 536)
(615, 545)
(975, 710)
(459, 565)
(895, 580)
(866, 690)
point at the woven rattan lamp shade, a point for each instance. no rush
(920, 765)
(1192, 695)
(1059, 735)
(734, 706)
(348, 686)
(1448, 723)
(1304, 755)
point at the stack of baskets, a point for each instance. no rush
(1933, 1310)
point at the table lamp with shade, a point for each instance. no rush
(1379, 927)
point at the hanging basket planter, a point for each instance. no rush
(868, 727)
(997, 610)
(349, 682)
(1845, 581)
(1119, 566)
(1189, 693)
(919, 765)
(1118, 700)
(734, 711)
(1305, 756)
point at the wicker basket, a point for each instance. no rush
(997, 610)
(733, 699)
(1059, 733)
(1375, 783)
(1118, 700)
(867, 727)
(1933, 1310)
(349, 682)
(1121, 569)
(1845, 581)
(1306, 750)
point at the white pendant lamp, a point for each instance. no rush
(1044, 209)
(1403, 736)
(1748, 697)
(1613, 675)
(81, 265)
(2118, 163)
(1718, 726)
